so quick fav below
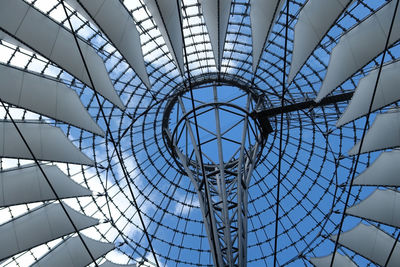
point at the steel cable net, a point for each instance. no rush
(315, 166)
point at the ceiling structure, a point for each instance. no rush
(199, 133)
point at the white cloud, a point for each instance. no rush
(185, 205)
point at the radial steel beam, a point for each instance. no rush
(221, 181)
(330, 100)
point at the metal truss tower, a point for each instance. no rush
(219, 166)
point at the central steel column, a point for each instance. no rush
(223, 195)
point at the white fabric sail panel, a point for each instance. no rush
(73, 253)
(359, 46)
(371, 243)
(386, 93)
(114, 20)
(27, 185)
(216, 16)
(168, 20)
(47, 143)
(54, 42)
(111, 264)
(340, 261)
(40, 226)
(384, 133)
(45, 96)
(381, 206)
(262, 17)
(314, 21)
(384, 171)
